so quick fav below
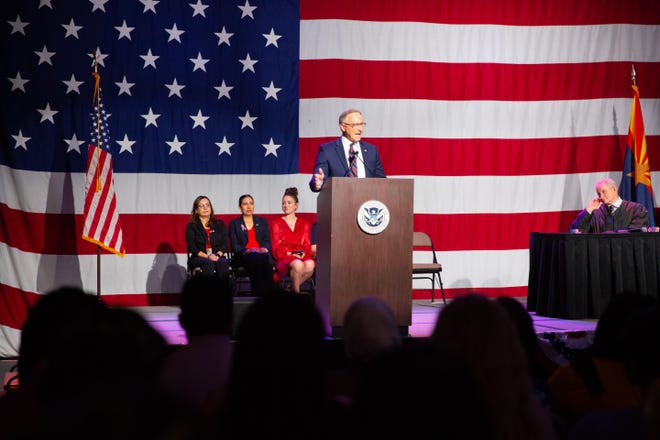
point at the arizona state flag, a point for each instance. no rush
(636, 179)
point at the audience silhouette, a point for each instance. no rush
(416, 389)
(595, 378)
(641, 354)
(540, 367)
(479, 331)
(198, 372)
(370, 331)
(90, 371)
(87, 371)
(278, 376)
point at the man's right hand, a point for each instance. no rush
(593, 204)
(318, 179)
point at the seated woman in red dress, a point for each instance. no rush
(290, 238)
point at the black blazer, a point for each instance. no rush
(238, 234)
(196, 238)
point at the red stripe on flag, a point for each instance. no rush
(458, 82)
(488, 157)
(14, 305)
(464, 232)
(511, 12)
(144, 233)
(147, 234)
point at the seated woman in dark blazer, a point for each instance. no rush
(206, 240)
(249, 238)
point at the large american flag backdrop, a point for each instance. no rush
(504, 113)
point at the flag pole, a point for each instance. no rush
(633, 75)
(97, 98)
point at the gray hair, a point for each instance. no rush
(605, 182)
(342, 116)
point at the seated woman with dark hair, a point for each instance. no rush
(291, 242)
(249, 238)
(206, 239)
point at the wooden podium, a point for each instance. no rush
(352, 263)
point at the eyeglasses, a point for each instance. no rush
(204, 205)
(361, 124)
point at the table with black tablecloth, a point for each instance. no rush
(573, 276)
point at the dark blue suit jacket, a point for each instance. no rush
(332, 160)
(238, 234)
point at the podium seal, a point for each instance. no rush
(373, 217)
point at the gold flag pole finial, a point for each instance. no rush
(633, 75)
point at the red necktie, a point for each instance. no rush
(352, 159)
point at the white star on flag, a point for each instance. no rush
(124, 87)
(19, 83)
(199, 62)
(72, 85)
(100, 57)
(198, 8)
(175, 88)
(73, 144)
(45, 3)
(149, 5)
(248, 63)
(126, 144)
(224, 146)
(174, 33)
(223, 36)
(271, 38)
(47, 113)
(45, 56)
(223, 90)
(175, 145)
(124, 31)
(149, 59)
(200, 120)
(71, 29)
(150, 118)
(247, 120)
(247, 10)
(271, 91)
(271, 148)
(98, 4)
(17, 25)
(21, 141)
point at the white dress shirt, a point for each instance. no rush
(358, 157)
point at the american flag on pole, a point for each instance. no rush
(101, 224)
(504, 114)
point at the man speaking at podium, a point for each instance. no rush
(347, 156)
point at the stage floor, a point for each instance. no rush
(424, 314)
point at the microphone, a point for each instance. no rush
(355, 154)
(351, 157)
